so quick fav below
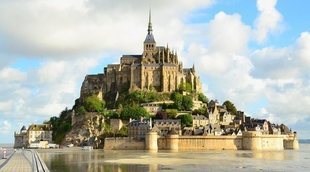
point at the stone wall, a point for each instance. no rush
(202, 142)
(249, 141)
(290, 142)
(257, 141)
(123, 144)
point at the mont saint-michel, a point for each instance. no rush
(149, 101)
(158, 69)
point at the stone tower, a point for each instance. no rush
(149, 44)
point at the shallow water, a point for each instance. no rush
(98, 160)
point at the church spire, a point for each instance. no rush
(149, 37)
(150, 29)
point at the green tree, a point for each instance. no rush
(203, 98)
(187, 103)
(81, 110)
(61, 125)
(94, 104)
(171, 113)
(230, 107)
(200, 111)
(133, 98)
(123, 132)
(186, 120)
(134, 112)
(185, 87)
(177, 98)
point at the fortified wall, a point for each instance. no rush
(248, 141)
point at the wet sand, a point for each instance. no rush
(99, 160)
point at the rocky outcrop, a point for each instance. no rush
(92, 85)
(87, 130)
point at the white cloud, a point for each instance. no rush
(303, 47)
(46, 90)
(66, 29)
(5, 127)
(277, 76)
(9, 75)
(269, 19)
(227, 33)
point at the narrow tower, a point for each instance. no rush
(149, 42)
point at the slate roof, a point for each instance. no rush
(149, 38)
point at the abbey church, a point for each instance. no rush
(157, 68)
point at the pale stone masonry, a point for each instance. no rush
(157, 68)
(34, 134)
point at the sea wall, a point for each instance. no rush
(200, 143)
(248, 141)
(291, 142)
(123, 143)
(258, 141)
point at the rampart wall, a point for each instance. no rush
(248, 141)
(201, 142)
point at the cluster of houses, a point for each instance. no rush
(218, 122)
(35, 136)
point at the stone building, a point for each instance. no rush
(39, 132)
(35, 133)
(137, 129)
(153, 107)
(20, 138)
(200, 120)
(219, 114)
(167, 126)
(157, 68)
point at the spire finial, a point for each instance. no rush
(149, 30)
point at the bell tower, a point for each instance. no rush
(149, 44)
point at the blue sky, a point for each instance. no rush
(255, 53)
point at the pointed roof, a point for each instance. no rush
(150, 29)
(23, 128)
(149, 37)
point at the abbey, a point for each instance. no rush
(158, 68)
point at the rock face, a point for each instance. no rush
(92, 85)
(86, 130)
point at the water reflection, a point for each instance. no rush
(76, 160)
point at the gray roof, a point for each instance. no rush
(23, 128)
(149, 38)
(131, 56)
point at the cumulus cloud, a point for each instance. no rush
(269, 19)
(227, 33)
(5, 127)
(66, 29)
(222, 61)
(43, 91)
(63, 33)
(275, 75)
(285, 74)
